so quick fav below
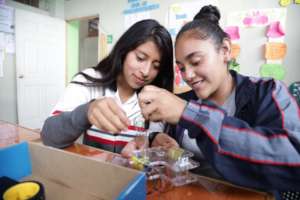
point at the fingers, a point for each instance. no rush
(128, 150)
(170, 144)
(148, 102)
(109, 123)
(107, 115)
(148, 94)
(165, 141)
(153, 88)
(117, 111)
(146, 97)
(149, 112)
(161, 105)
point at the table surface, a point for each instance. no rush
(204, 188)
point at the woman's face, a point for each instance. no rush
(203, 67)
(141, 65)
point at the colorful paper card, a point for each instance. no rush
(233, 32)
(275, 30)
(275, 71)
(181, 13)
(233, 65)
(275, 50)
(235, 50)
(285, 2)
(178, 78)
(257, 17)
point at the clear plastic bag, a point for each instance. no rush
(170, 165)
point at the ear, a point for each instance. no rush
(226, 50)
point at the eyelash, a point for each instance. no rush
(196, 63)
(156, 66)
(139, 58)
(181, 68)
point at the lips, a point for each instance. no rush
(197, 84)
(139, 81)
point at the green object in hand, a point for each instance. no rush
(174, 153)
(139, 163)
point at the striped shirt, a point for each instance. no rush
(76, 95)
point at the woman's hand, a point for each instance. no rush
(107, 115)
(161, 140)
(164, 140)
(138, 143)
(128, 150)
(158, 104)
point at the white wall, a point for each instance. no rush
(8, 93)
(8, 90)
(112, 21)
(110, 14)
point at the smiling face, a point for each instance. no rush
(202, 65)
(141, 66)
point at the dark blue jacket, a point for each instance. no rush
(260, 146)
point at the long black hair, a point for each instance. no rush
(205, 25)
(112, 65)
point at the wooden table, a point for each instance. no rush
(20, 133)
(205, 188)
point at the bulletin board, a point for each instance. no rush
(273, 22)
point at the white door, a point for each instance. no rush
(40, 65)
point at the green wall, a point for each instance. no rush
(72, 49)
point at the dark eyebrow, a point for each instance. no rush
(139, 51)
(177, 62)
(189, 56)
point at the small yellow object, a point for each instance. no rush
(175, 153)
(138, 163)
(285, 2)
(21, 191)
(297, 1)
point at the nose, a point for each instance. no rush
(145, 69)
(189, 73)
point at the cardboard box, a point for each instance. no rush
(65, 175)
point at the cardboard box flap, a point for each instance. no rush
(76, 172)
(69, 176)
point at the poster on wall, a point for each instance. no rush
(257, 17)
(138, 10)
(273, 20)
(130, 19)
(181, 13)
(93, 25)
(6, 19)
